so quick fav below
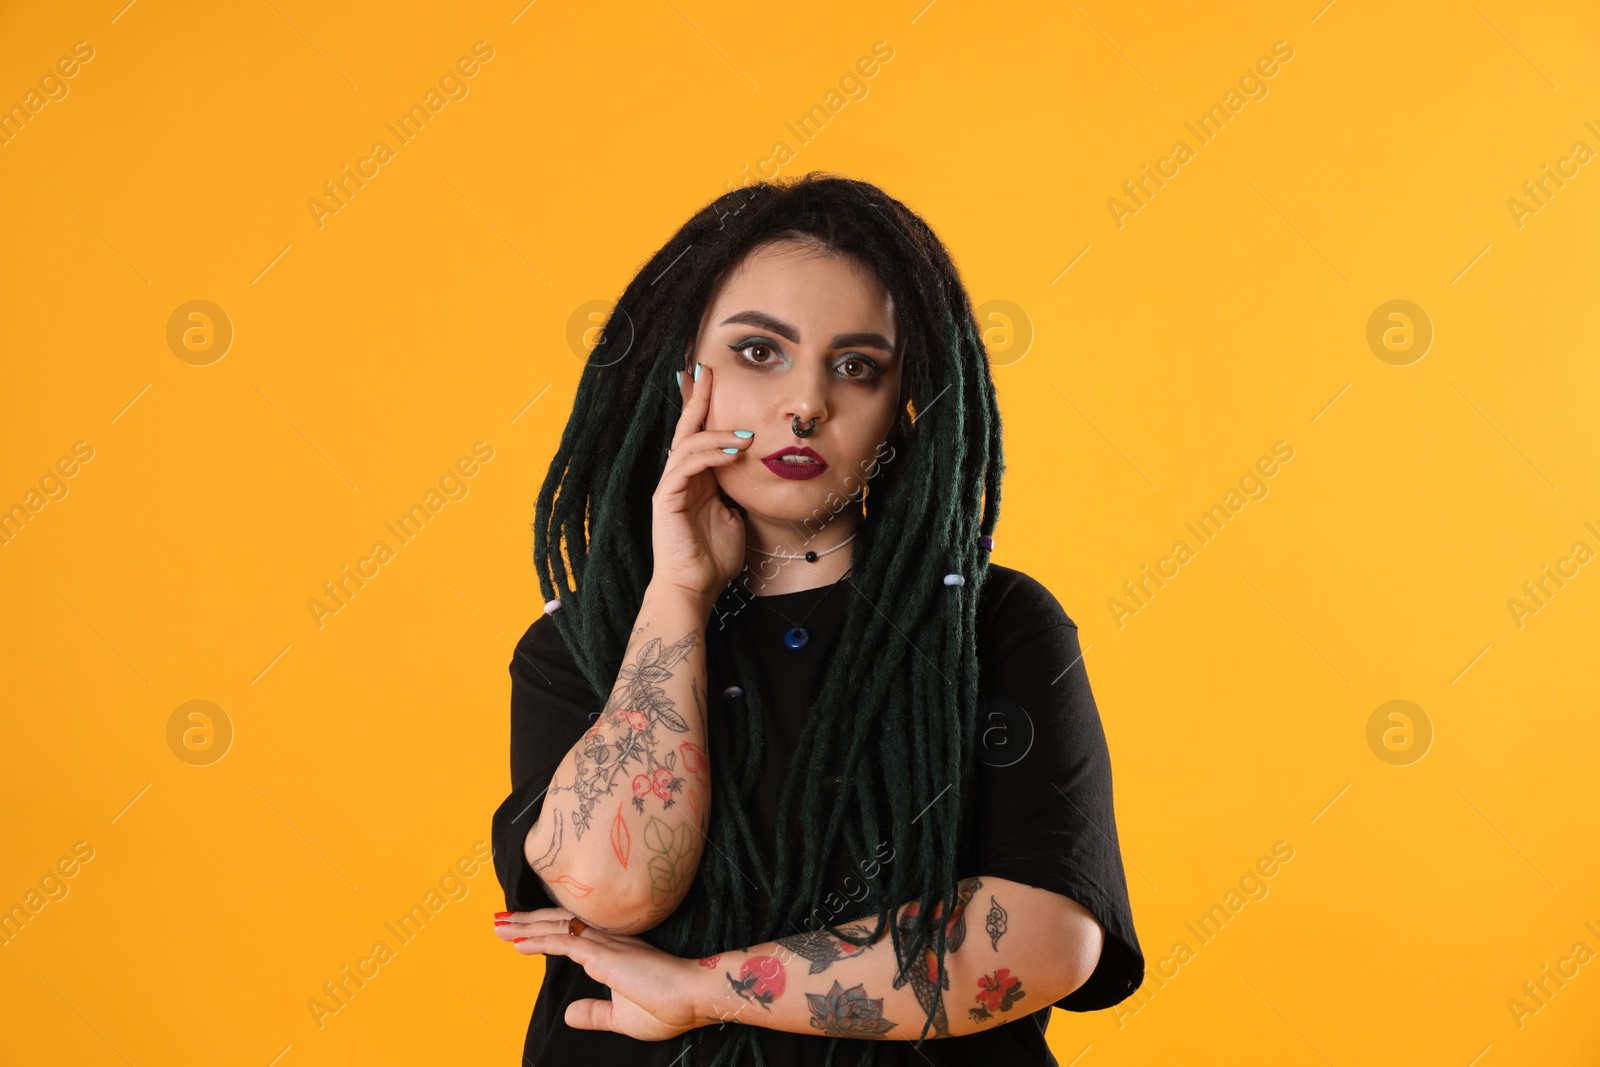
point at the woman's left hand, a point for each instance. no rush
(652, 992)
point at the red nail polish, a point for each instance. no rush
(518, 940)
(502, 922)
(502, 915)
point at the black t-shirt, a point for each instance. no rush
(1041, 760)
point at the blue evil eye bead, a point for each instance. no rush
(797, 638)
(552, 606)
(954, 579)
(987, 542)
(733, 691)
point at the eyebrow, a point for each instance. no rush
(760, 319)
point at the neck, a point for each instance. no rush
(772, 575)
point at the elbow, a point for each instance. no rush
(605, 908)
(604, 899)
(1082, 948)
(608, 899)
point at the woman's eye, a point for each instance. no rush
(745, 348)
(867, 373)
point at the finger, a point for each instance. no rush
(686, 462)
(692, 416)
(589, 1014)
(695, 407)
(582, 950)
(532, 916)
(510, 930)
(503, 919)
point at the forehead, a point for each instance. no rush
(814, 290)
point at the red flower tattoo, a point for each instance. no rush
(996, 992)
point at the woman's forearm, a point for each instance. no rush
(622, 829)
(1012, 949)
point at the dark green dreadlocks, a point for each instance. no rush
(910, 711)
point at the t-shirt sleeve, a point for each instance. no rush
(1044, 814)
(552, 705)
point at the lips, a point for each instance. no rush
(797, 469)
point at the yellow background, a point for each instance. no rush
(434, 311)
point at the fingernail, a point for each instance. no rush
(678, 374)
(518, 940)
(697, 372)
(731, 451)
(502, 922)
(502, 915)
(743, 433)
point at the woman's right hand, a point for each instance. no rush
(698, 540)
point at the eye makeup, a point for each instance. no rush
(761, 342)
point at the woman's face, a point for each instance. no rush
(796, 333)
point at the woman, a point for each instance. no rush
(754, 818)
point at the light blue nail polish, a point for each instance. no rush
(743, 433)
(731, 451)
(697, 372)
(678, 374)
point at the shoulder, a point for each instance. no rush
(1013, 608)
(541, 640)
(542, 658)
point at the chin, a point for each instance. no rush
(795, 502)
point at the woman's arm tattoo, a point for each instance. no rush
(995, 924)
(671, 865)
(822, 948)
(639, 755)
(849, 1012)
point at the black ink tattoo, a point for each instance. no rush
(543, 862)
(638, 705)
(822, 948)
(995, 924)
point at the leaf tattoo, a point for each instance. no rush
(621, 839)
(669, 866)
(639, 705)
(995, 924)
(572, 885)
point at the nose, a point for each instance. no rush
(808, 407)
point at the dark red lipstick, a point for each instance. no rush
(795, 469)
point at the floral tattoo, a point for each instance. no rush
(996, 993)
(849, 1012)
(640, 756)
